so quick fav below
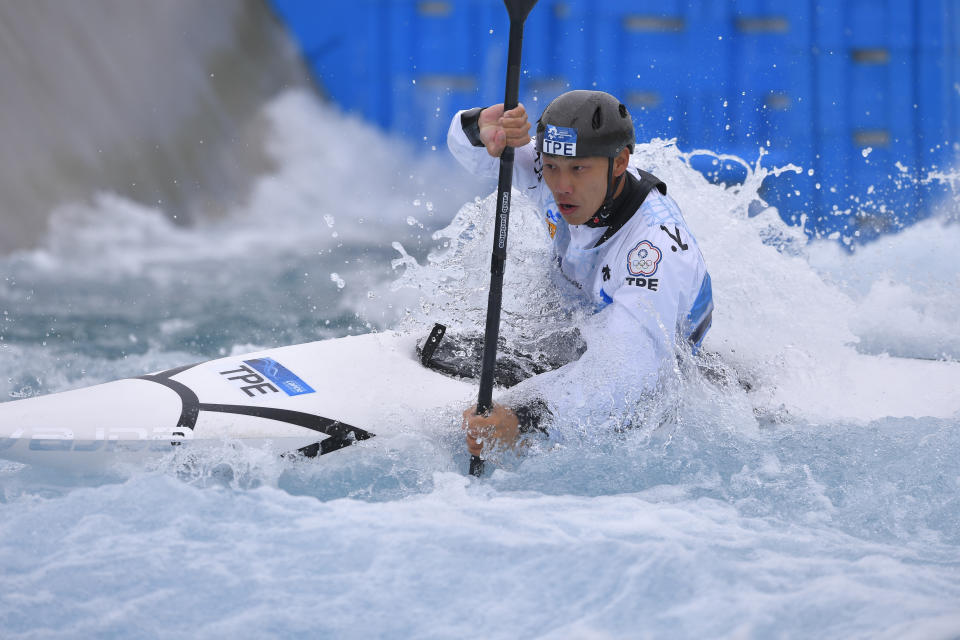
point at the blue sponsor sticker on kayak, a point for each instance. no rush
(280, 376)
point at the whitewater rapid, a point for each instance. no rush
(732, 524)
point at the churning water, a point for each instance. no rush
(738, 524)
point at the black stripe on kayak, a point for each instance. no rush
(340, 434)
(188, 399)
(333, 428)
(169, 373)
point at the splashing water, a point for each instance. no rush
(735, 522)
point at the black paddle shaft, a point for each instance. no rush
(518, 10)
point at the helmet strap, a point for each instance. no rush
(612, 185)
(606, 209)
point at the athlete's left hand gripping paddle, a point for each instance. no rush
(518, 10)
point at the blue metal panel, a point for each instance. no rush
(710, 45)
(770, 93)
(555, 55)
(706, 66)
(348, 63)
(938, 88)
(814, 82)
(635, 48)
(866, 95)
(438, 62)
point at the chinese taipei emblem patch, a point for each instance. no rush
(560, 141)
(643, 259)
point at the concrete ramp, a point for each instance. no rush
(157, 101)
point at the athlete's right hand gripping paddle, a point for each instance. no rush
(518, 10)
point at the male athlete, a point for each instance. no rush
(617, 236)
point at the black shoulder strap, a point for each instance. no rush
(648, 181)
(645, 185)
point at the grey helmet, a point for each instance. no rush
(585, 123)
(588, 124)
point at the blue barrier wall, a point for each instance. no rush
(864, 95)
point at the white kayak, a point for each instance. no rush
(324, 396)
(314, 398)
(859, 388)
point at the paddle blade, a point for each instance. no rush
(519, 9)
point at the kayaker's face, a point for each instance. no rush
(579, 185)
